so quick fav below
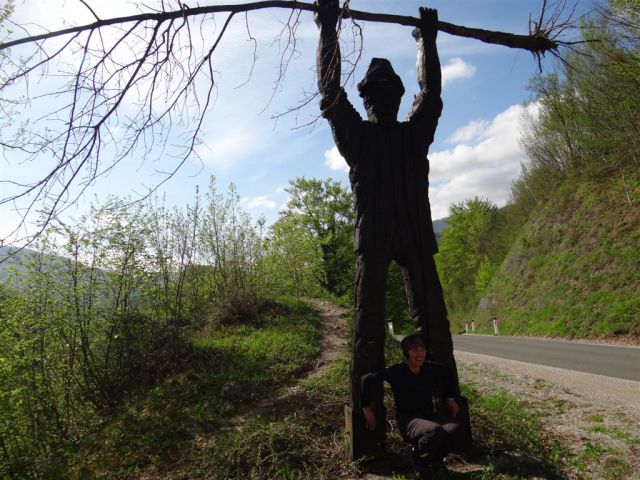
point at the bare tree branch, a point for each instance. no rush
(538, 42)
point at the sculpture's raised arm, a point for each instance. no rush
(427, 105)
(428, 62)
(328, 56)
(345, 121)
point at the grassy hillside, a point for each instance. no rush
(186, 422)
(574, 271)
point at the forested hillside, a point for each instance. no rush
(562, 258)
(574, 270)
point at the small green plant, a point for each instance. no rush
(502, 423)
(617, 433)
(596, 417)
(615, 467)
(591, 452)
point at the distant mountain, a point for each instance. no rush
(438, 226)
(10, 258)
(14, 257)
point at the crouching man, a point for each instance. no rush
(426, 408)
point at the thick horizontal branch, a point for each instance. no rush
(537, 44)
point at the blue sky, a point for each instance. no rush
(475, 152)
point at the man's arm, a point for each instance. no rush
(452, 391)
(453, 407)
(369, 418)
(370, 387)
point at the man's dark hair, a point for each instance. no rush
(411, 341)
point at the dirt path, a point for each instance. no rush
(333, 342)
(335, 335)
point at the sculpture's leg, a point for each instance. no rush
(368, 347)
(427, 307)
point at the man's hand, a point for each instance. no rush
(327, 13)
(453, 407)
(369, 418)
(428, 23)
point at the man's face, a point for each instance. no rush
(416, 356)
(382, 102)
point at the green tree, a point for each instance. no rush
(232, 248)
(468, 252)
(295, 265)
(325, 208)
(6, 9)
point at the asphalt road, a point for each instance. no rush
(612, 361)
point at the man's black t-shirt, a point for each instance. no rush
(420, 394)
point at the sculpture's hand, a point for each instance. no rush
(369, 418)
(327, 13)
(428, 23)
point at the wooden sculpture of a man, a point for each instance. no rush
(388, 170)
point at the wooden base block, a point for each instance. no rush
(363, 442)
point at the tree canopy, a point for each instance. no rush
(324, 207)
(588, 122)
(466, 250)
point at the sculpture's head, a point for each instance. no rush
(381, 90)
(414, 350)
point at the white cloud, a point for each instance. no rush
(484, 162)
(469, 132)
(457, 68)
(262, 201)
(222, 149)
(335, 161)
